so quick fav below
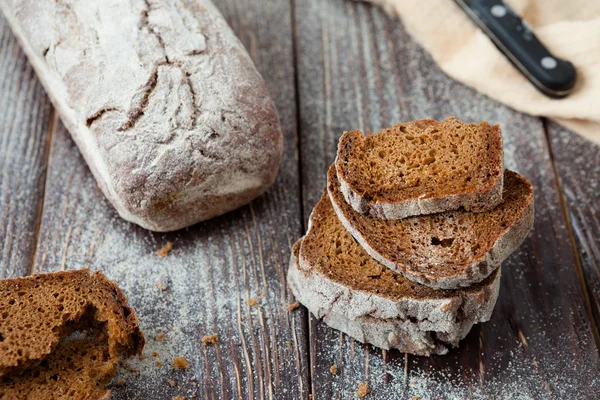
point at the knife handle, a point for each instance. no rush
(551, 75)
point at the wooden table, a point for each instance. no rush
(331, 65)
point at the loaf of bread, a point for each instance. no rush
(161, 98)
(333, 276)
(446, 250)
(422, 167)
(72, 326)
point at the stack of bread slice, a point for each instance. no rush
(404, 248)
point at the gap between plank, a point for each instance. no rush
(579, 267)
(300, 180)
(54, 121)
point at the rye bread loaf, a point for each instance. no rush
(339, 282)
(37, 312)
(76, 369)
(422, 167)
(162, 100)
(446, 250)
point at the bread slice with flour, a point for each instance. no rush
(332, 275)
(62, 335)
(162, 99)
(422, 167)
(446, 250)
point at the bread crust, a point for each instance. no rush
(406, 324)
(477, 199)
(468, 274)
(146, 91)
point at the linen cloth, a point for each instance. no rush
(570, 29)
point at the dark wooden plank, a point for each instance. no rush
(357, 68)
(578, 163)
(214, 269)
(25, 122)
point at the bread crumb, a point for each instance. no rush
(416, 398)
(253, 303)
(120, 383)
(260, 293)
(180, 363)
(212, 339)
(155, 354)
(130, 368)
(178, 398)
(165, 250)
(171, 382)
(288, 343)
(293, 306)
(159, 364)
(142, 357)
(160, 336)
(333, 369)
(363, 390)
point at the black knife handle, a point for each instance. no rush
(551, 75)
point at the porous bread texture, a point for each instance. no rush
(446, 250)
(419, 321)
(76, 369)
(36, 312)
(422, 167)
(162, 99)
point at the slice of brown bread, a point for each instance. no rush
(77, 369)
(422, 167)
(333, 276)
(37, 312)
(446, 250)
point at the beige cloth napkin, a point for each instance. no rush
(569, 28)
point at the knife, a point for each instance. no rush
(551, 75)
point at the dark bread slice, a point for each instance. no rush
(447, 250)
(422, 167)
(36, 312)
(333, 276)
(77, 369)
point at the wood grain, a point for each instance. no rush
(578, 164)
(215, 269)
(25, 122)
(354, 67)
(357, 68)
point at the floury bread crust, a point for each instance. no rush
(446, 250)
(422, 167)
(407, 325)
(162, 100)
(339, 282)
